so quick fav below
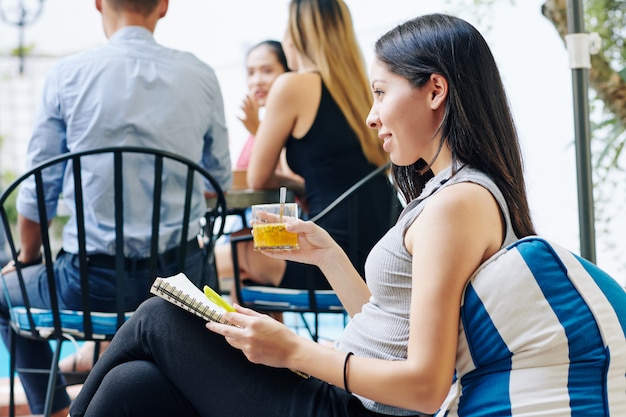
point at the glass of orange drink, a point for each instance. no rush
(268, 226)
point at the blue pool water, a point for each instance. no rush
(67, 349)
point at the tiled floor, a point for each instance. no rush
(20, 399)
(21, 409)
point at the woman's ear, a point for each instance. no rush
(439, 92)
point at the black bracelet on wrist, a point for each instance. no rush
(36, 261)
(345, 373)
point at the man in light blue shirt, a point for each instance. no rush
(130, 92)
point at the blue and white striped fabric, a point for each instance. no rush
(542, 333)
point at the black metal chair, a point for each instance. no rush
(312, 300)
(88, 325)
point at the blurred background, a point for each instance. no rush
(529, 51)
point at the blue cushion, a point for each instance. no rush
(289, 299)
(104, 324)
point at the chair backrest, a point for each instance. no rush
(189, 171)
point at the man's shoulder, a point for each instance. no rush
(109, 54)
(184, 57)
(78, 58)
(70, 66)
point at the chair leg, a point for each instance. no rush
(12, 348)
(317, 327)
(305, 323)
(307, 326)
(52, 378)
(96, 352)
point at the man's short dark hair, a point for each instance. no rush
(144, 7)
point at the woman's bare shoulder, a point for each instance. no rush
(465, 212)
(296, 96)
(296, 84)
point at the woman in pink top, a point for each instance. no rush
(264, 62)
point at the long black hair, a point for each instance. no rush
(276, 48)
(477, 124)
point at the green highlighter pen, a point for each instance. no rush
(217, 299)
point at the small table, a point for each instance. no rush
(238, 200)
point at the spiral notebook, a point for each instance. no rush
(179, 291)
(209, 305)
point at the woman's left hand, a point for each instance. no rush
(261, 338)
(250, 118)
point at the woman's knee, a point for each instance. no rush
(136, 388)
(151, 306)
(143, 317)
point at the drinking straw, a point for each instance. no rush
(283, 197)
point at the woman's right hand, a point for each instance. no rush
(250, 118)
(315, 244)
(261, 338)
(317, 247)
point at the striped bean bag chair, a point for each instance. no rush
(542, 333)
